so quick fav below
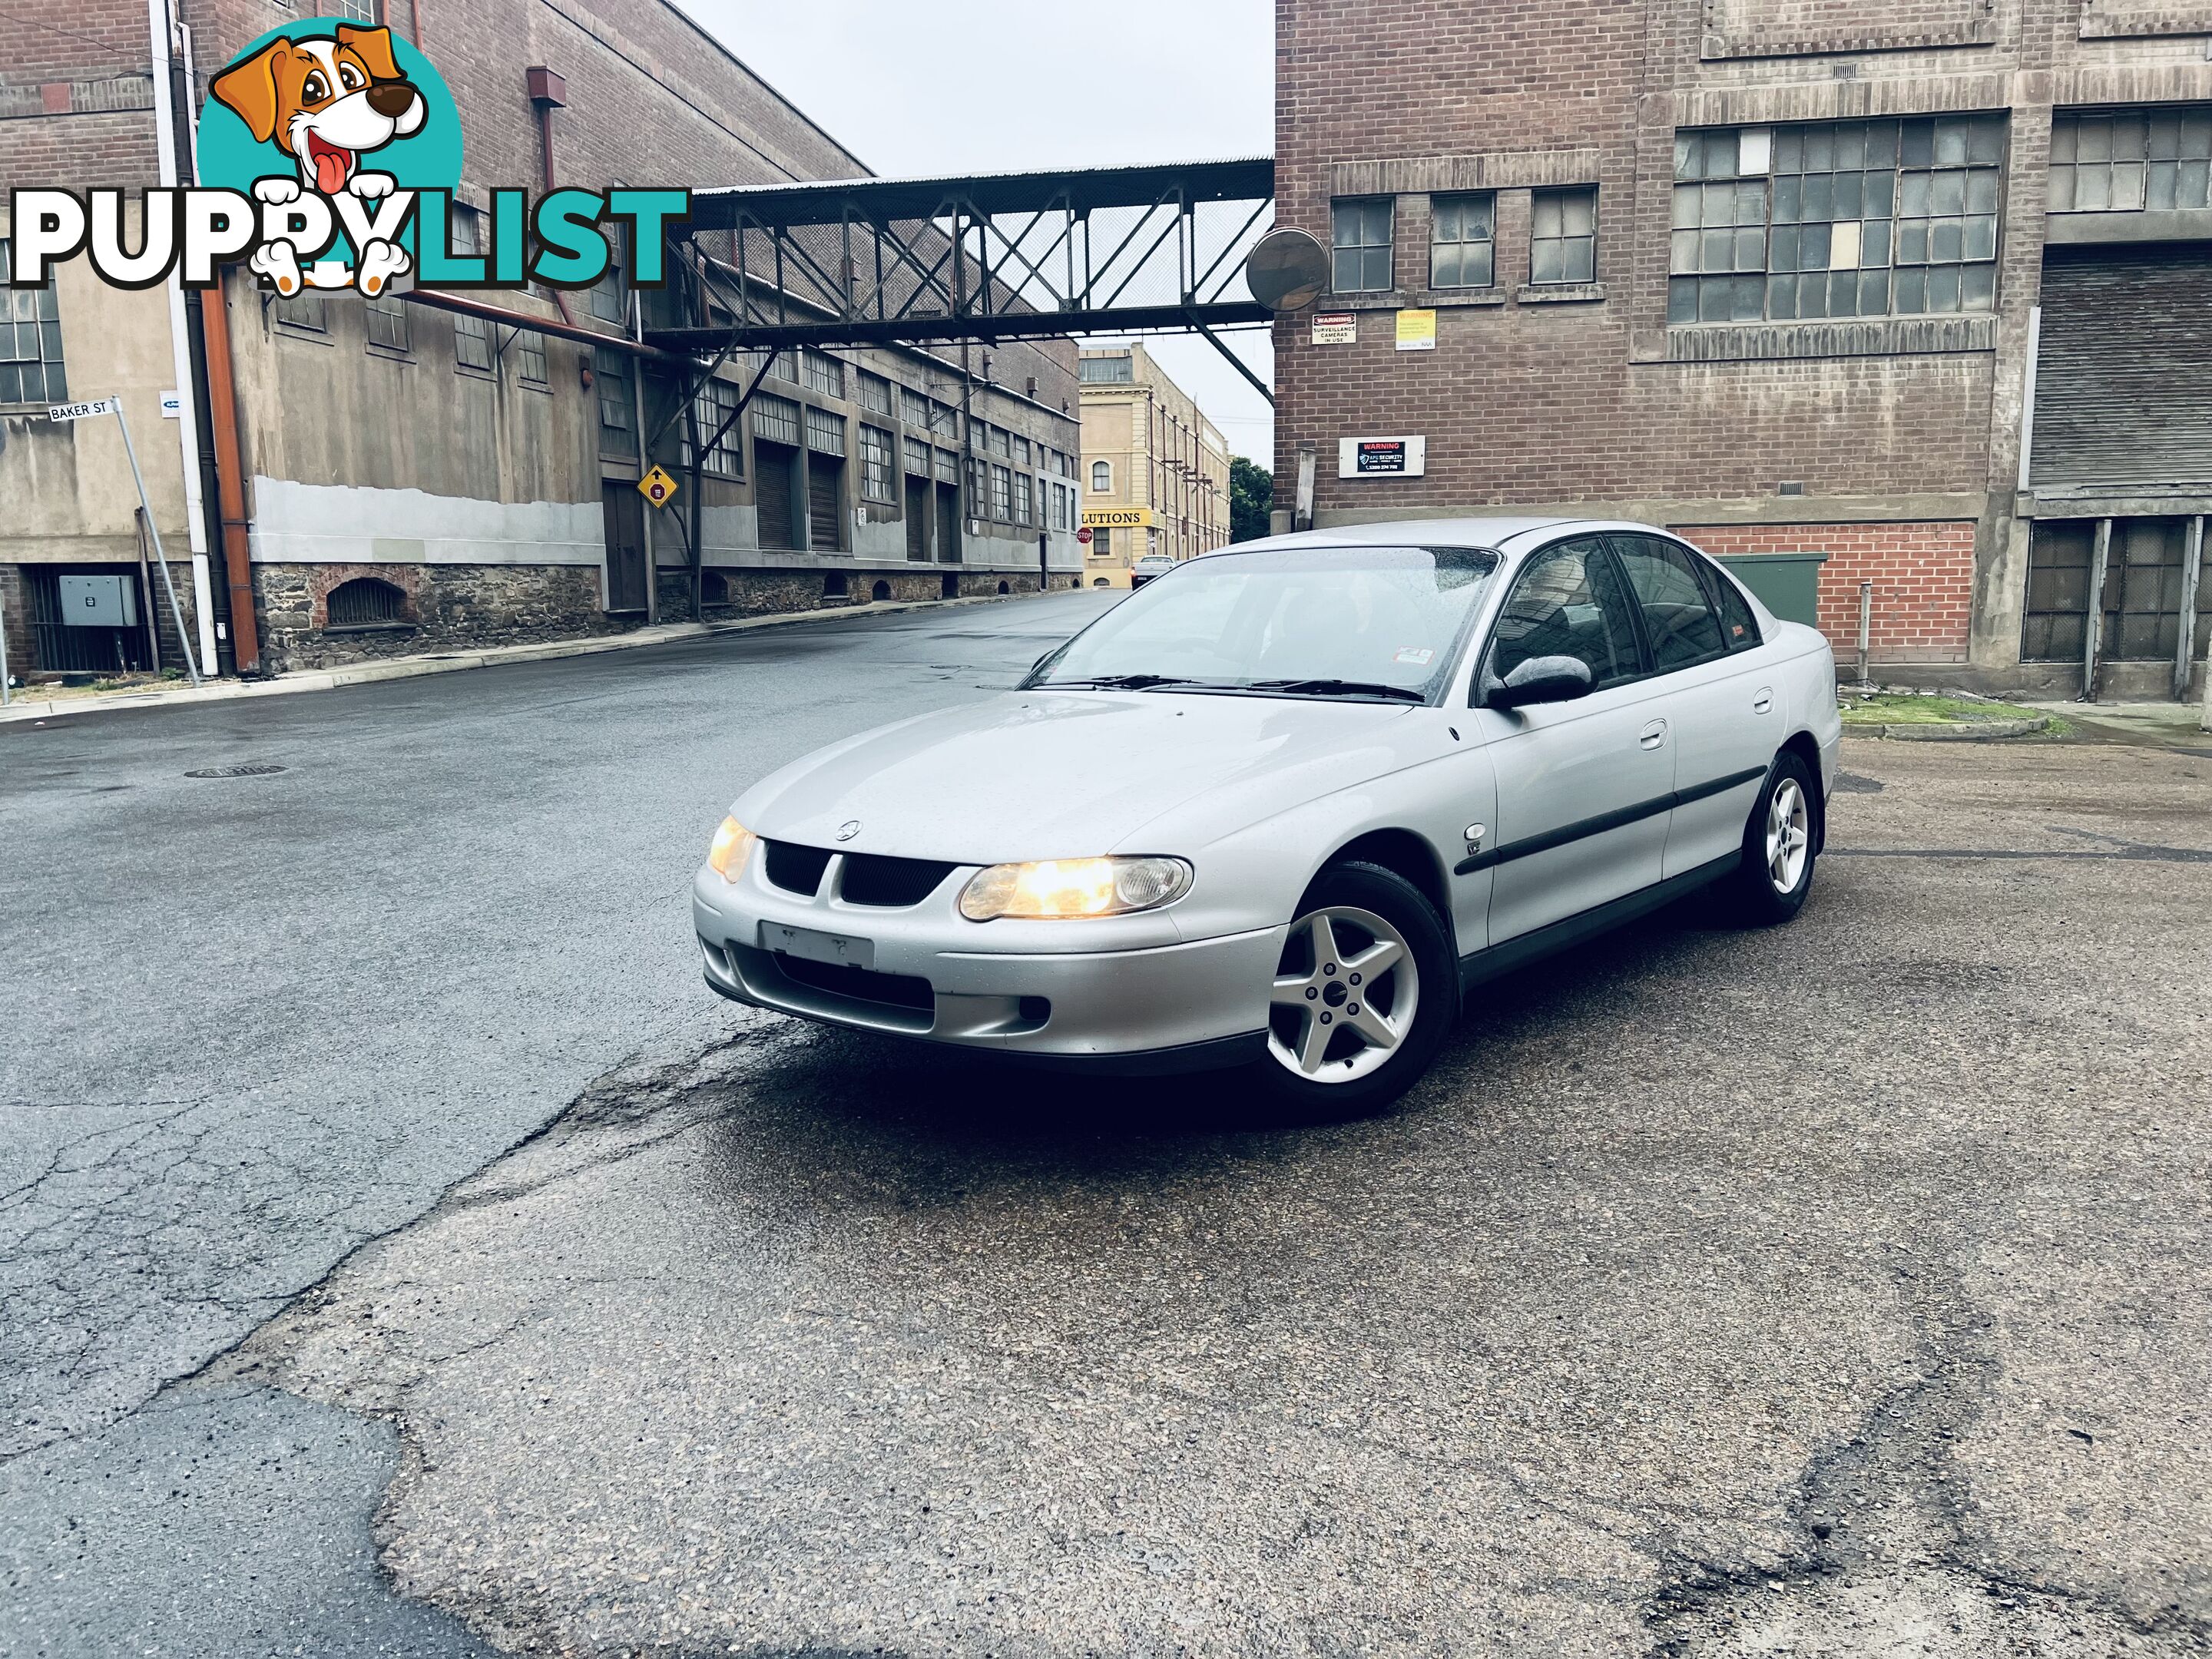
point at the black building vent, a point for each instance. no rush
(366, 602)
(795, 868)
(890, 883)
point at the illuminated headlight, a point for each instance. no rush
(1061, 888)
(732, 845)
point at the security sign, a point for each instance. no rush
(657, 487)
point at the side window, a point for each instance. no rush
(1567, 603)
(1738, 626)
(1678, 619)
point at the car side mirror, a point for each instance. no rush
(1540, 679)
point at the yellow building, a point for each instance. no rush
(1155, 470)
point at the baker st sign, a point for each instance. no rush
(1381, 458)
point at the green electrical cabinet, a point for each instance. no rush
(1788, 584)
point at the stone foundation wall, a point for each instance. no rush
(457, 605)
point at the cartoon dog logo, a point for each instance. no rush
(326, 101)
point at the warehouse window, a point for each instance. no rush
(1116, 369)
(875, 463)
(1838, 219)
(611, 379)
(875, 394)
(30, 345)
(610, 299)
(471, 342)
(1361, 232)
(2125, 161)
(1462, 241)
(1563, 235)
(1002, 493)
(1024, 508)
(710, 408)
(305, 309)
(387, 322)
(784, 366)
(914, 408)
(530, 355)
(824, 373)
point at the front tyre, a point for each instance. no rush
(1780, 844)
(1363, 997)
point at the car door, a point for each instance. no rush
(1719, 694)
(1584, 787)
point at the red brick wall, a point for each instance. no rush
(1923, 576)
(1527, 404)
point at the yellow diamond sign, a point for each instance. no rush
(657, 487)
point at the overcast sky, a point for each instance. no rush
(957, 86)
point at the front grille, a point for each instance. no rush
(862, 984)
(890, 883)
(795, 868)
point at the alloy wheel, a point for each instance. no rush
(1344, 995)
(1789, 835)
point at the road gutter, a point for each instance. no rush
(446, 662)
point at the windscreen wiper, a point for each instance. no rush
(1119, 682)
(1327, 688)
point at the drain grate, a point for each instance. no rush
(234, 772)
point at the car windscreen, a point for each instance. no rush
(1308, 621)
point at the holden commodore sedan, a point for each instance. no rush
(1286, 804)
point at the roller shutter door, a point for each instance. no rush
(2123, 370)
(824, 502)
(778, 527)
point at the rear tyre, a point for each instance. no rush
(1363, 995)
(1781, 842)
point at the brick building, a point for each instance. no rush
(1155, 470)
(406, 477)
(1917, 285)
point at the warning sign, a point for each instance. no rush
(1381, 458)
(1336, 328)
(657, 487)
(1417, 331)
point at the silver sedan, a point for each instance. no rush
(1283, 806)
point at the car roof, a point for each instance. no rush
(1493, 532)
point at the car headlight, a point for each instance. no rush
(1061, 888)
(732, 845)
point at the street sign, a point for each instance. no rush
(657, 487)
(1083, 535)
(80, 411)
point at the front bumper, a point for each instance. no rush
(1156, 1003)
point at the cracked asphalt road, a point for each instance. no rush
(1837, 1290)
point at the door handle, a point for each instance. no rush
(1652, 735)
(1763, 700)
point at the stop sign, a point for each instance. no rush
(1084, 535)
